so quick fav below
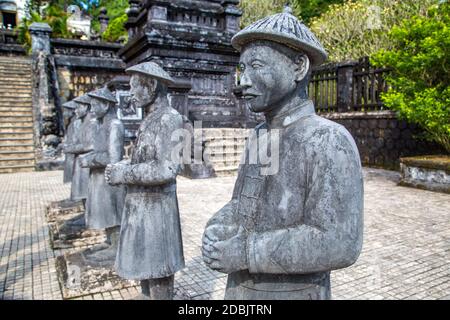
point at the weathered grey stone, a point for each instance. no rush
(69, 119)
(150, 247)
(80, 144)
(285, 229)
(104, 203)
(63, 208)
(78, 277)
(40, 37)
(429, 173)
(69, 231)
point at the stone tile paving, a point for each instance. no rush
(406, 252)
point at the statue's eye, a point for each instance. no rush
(256, 65)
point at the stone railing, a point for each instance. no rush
(9, 44)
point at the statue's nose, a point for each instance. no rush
(245, 81)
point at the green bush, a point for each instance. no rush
(54, 15)
(360, 28)
(420, 78)
(116, 29)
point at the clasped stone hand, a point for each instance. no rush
(222, 253)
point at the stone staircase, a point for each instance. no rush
(224, 148)
(16, 117)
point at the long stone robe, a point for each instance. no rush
(82, 143)
(104, 204)
(302, 221)
(150, 238)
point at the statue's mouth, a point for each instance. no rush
(250, 96)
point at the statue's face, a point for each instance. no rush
(142, 91)
(81, 110)
(99, 108)
(268, 75)
(68, 113)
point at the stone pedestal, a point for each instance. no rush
(60, 209)
(78, 278)
(426, 172)
(66, 235)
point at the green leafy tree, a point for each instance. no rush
(254, 10)
(54, 14)
(360, 28)
(420, 78)
(308, 9)
(116, 29)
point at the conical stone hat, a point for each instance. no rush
(286, 29)
(152, 70)
(84, 99)
(103, 94)
(70, 105)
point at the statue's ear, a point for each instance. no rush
(303, 65)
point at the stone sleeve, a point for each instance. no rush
(331, 236)
(162, 169)
(116, 142)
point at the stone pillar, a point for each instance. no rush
(232, 15)
(103, 19)
(132, 13)
(179, 97)
(345, 86)
(40, 37)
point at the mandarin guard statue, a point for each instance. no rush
(80, 144)
(150, 248)
(284, 231)
(69, 119)
(104, 203)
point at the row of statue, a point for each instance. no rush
(280, 235)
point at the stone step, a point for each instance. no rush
(17, 161)
(16, 129)
(14, 169)
(10, 154)
(15, 118)
(10, 101)
(14, 64)
(16, 80)
(11, 74)
(18, 135)
(15, 123)
(15, 85)
(15, 61)
(16, 147)
(13, 141)
(15, 105)
(16, 113)
(15, 89)
(15, 93)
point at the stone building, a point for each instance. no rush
(192, 40)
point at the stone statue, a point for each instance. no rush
(80, 144)
(69, 119)
(150, 247)
(284, 231)
(104, 203)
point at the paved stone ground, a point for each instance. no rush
(406, 252)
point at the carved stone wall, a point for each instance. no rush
(382, 138)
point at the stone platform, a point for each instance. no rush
(78, 278)
(65, 236)
(59, 209)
